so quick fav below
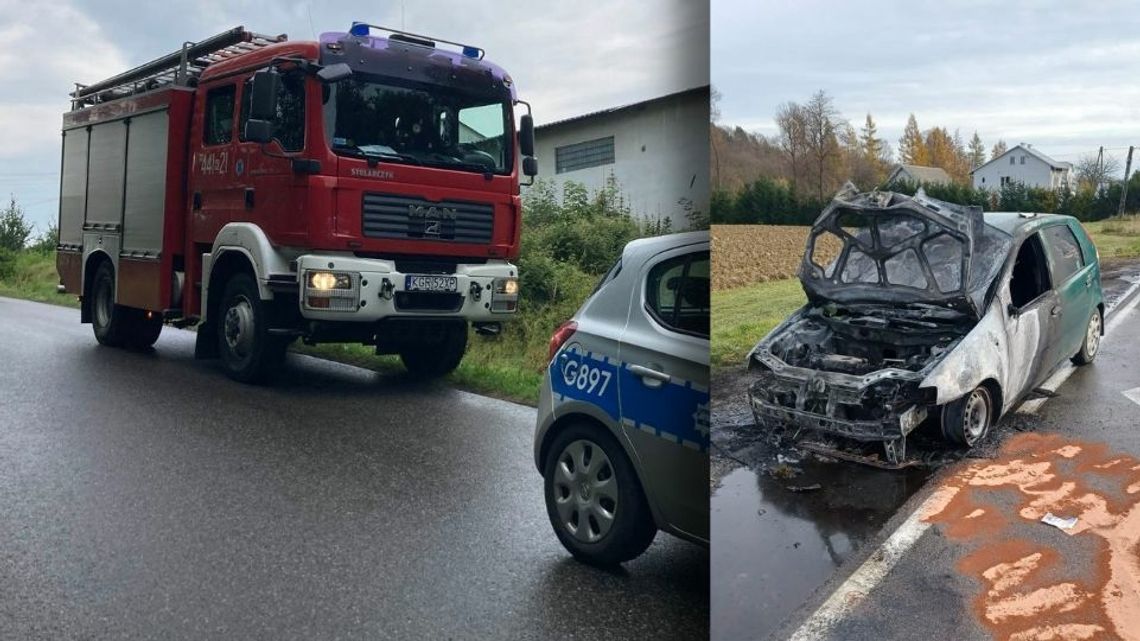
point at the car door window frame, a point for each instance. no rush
(1050, 285)
(1047, 240)
(207, 129)
(688, 257)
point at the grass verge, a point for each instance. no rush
(509, 366)
(743, 315)
(1116, 237)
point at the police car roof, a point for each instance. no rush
(645, 247)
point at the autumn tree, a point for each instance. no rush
(792, 123)
(977, 152)
(998, 149)
(912, 147)
(1094, 173)
(822, 124)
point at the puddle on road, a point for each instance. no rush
(772, 548)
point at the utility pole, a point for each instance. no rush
(1124, 188)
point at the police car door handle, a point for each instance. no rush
(651, 377)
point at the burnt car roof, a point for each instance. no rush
(898, 249)
(1019, 224)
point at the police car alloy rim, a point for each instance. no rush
(585, 491)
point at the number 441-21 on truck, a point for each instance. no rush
(356, 189)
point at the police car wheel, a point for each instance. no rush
(593, 497)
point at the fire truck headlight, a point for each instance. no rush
(329, 280)
(507, 286)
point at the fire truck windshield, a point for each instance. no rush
(414, 123)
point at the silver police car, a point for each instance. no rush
(623, 429)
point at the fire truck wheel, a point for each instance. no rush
(143, 331)
(108, 319)
(248, 352)
(433, 359)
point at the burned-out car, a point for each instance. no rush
(920, 309)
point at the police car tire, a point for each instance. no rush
(433, 360)
(266, 352)
(633, 529)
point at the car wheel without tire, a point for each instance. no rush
(967, 420)
(1091, 345)
(594, 499)
(248, 352)
(433, 359)
(109, 320)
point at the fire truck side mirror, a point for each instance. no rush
(526, 135)
(530, 166)
(263, 104)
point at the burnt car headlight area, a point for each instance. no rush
(854, 374)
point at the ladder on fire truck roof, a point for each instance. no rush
(183, 67)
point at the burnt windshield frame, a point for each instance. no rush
(425, 146)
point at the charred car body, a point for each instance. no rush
(919, 308)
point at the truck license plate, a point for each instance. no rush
(414, 283)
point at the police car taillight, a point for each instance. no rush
(561, 335)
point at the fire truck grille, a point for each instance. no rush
(391, 216)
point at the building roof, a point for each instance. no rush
(922, 174)
(1053, 164)
(631, 106)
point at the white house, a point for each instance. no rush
(919, 174)
(658, 150)
(1023, 164)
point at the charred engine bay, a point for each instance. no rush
(862, 339)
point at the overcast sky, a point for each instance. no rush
(1063, 76)
(566, 58)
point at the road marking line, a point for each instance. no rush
(1132, 394)
(857, 586)
(860, 584)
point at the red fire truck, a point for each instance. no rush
(361, 188)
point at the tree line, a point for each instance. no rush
(787, 178)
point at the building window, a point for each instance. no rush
(1005, 180)
(583, 155)
(1012, 160)
(1023, 160)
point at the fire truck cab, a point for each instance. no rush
(356, 189)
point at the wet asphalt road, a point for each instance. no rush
(777, 554)
(145, 494)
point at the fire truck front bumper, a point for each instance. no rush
(348, 288)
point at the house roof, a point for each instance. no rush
(1053, 164)
(922, 174)
(631, 106)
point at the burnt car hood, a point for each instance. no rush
(897, 249)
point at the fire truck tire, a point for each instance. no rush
(248, 352)
(433, 359)
(143, 331)
(110, 321)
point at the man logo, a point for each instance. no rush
(431, 212)
(431, 228)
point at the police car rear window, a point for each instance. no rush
(610, 275)
(677, 293)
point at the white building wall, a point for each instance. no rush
(661, 153)
(1033, 172)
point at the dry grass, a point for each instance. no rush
(743, 255)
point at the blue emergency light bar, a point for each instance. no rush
(363, 29)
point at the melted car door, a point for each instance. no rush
(1033, 315)
(1074, 284)
(663, 384)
